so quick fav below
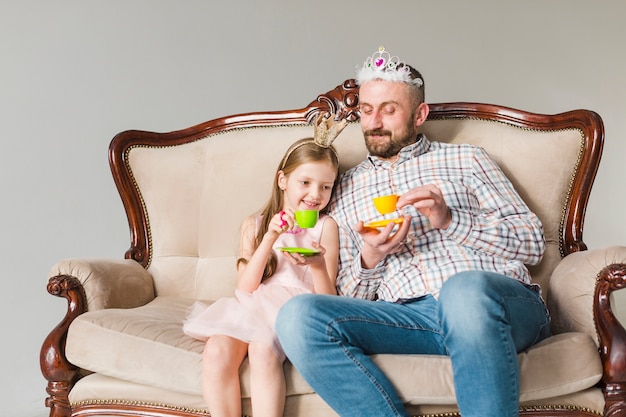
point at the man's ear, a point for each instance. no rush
(421, 114)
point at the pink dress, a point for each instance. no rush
(250, 317)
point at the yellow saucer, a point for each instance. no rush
(383, 223)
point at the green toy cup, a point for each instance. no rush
(306, 219)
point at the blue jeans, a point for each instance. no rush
(481, 320)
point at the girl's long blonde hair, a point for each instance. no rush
(300, 152)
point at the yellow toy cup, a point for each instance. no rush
(386, 204)
(306, 219)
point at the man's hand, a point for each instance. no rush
(429, 201)
(377, 244)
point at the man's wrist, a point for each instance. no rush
(370, 261)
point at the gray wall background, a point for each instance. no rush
(75, 73)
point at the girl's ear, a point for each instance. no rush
(282, 180)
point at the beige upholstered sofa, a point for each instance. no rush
(120, 349)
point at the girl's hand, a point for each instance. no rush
(316, 261)
(281, 222)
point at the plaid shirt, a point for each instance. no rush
(492, 229)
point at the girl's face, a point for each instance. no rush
(308, 187)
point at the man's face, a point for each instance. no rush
(387, 117)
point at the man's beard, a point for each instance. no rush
(392, 146)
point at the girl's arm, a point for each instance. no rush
(249, 275)
(324, 269)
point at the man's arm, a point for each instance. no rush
(504, 225)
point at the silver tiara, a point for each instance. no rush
(382, 66)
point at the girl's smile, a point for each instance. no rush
(308, 187)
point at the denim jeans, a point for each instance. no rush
(481, 320)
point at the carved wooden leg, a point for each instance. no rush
(55, 367)
(612, 340)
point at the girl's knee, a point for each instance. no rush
(223, 350)
(260, 354)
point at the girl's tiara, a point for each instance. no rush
(382, 66)
(325, 131)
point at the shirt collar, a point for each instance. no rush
(421, 146)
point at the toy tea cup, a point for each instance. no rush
(386, 204)
(306, 219)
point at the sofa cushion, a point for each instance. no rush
(100, 389)
(559, 365)
(146, 345)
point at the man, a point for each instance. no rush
(448, 280)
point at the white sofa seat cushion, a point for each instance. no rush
(146, 345)
(100, 389)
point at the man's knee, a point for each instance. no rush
(465, 300)
(463, 287)
(293, 315)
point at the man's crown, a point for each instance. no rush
(382, 66)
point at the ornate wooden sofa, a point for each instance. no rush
(120, 349)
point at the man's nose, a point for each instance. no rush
(375, 121)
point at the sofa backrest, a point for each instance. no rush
(186, 192)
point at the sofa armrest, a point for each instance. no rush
(572, 286)
(580, 295)
(612, 338)
(87, 284)
(109, 283)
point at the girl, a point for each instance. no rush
(267, 277)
